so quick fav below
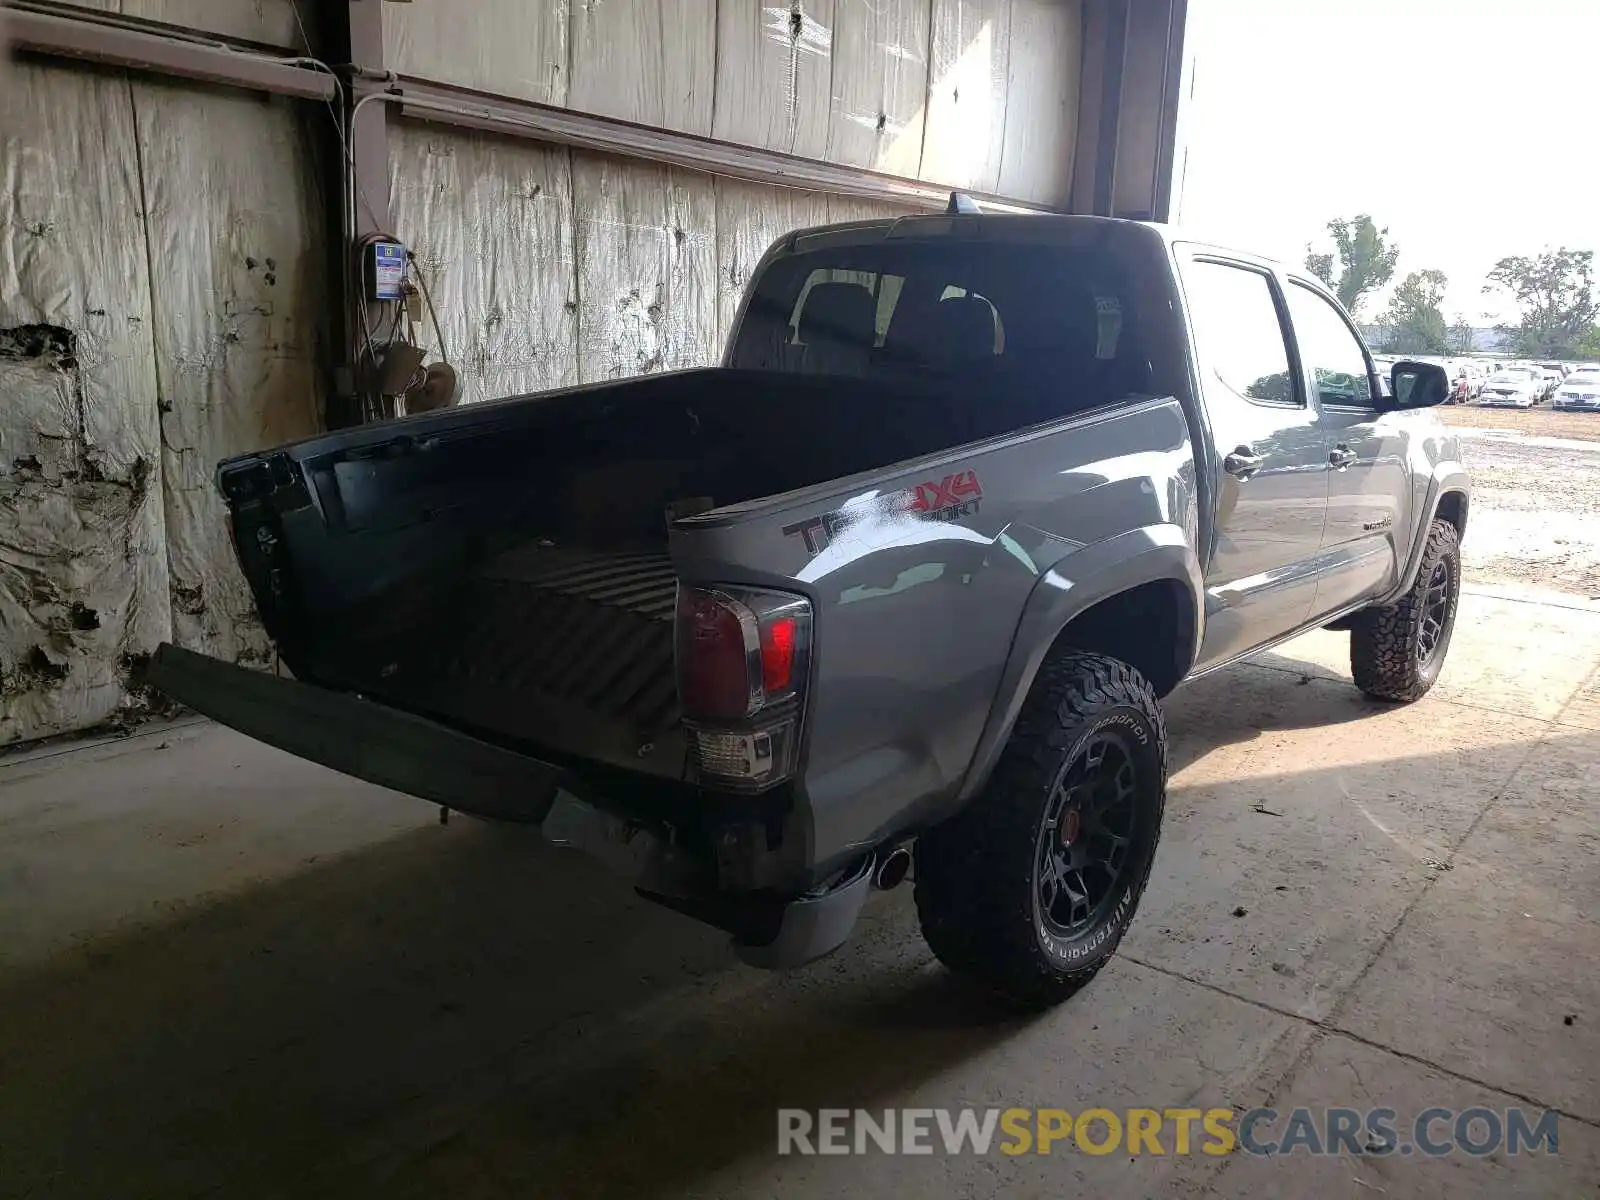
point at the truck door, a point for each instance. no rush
(1273, 475)
(1369, 496)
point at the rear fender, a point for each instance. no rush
(1075, 584)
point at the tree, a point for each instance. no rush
(1555, 293)
(1589, 348)
(1364, 255)
(1415, 323)
(1462, 335)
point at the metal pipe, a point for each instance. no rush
(892, 869)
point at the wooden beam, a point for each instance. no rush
(115, 44)
(425, 100)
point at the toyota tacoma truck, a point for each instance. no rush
(895, 589)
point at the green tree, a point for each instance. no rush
(1589, 348)
(1554, 292)
(1461, 335)
(1416, 324)
(1363, 255)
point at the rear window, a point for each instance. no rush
(1006, 318)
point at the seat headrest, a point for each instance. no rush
(963, 328)
(841, 313)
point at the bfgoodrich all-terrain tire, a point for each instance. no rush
(1396, 652)
(1030, 888)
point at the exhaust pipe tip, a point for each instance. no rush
(892, 869)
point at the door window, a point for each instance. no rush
(1333, 356)
(1238, 332)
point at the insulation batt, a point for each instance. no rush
(161, 307)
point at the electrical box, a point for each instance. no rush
(384, 269)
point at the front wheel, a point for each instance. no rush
(1030, 888)
(1397, 652)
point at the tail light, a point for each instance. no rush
(743, 655)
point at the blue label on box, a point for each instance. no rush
(388, 269)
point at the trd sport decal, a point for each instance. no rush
(948, 499)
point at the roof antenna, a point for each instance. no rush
(960, 202)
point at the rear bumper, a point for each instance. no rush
(399, 750)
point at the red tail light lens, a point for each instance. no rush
(717, 638)
(778, 639)
(739, 650)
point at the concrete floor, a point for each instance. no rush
(224, 971)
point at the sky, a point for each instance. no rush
(1471, 128)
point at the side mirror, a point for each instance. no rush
(1417, 385)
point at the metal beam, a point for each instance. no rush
(369, 127)
(1167, 166)
(425, 100)
(116, 45)
(1108, 137)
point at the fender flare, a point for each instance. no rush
(1078, 581)
(1446, 479)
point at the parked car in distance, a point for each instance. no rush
(907, 575)
(1513, 387)
(1579, 391)
(1467, 382)
(1552, 380)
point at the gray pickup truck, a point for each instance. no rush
(899, 584)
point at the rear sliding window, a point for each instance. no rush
(1055, 325)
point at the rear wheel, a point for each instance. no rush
(1397, 652)
(1031, 887)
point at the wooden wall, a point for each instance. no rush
(980, 94)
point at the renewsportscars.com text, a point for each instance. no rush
(1372, 1132)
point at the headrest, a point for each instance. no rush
(844, 313)
(963, 328)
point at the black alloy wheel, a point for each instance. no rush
(1085, 835)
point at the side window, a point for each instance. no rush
(1329, 350)
(1238, 332)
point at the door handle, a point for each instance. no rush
(1342, 457)
(1242, 464)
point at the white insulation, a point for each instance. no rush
(137, 347)
(550, 268)
(980, 94)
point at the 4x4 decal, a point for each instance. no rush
(947, 499)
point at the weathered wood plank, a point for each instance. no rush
(971, 62)
(1041, 126)
(880, 84)
(648, 61)
(511, 47)
(774, 74)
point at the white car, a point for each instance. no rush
(1513, 387)
(1580, 390)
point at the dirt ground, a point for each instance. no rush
(1535, 422)
(1535, 516)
